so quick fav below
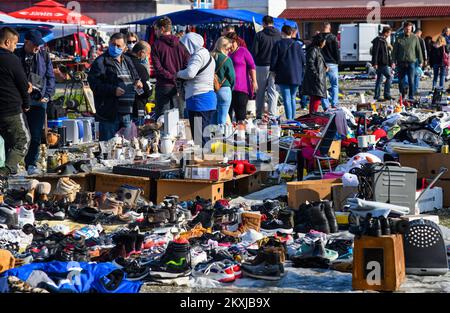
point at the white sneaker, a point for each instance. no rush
(218, 271)
(198, 256)
(26, 216)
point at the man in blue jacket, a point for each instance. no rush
(39, 70)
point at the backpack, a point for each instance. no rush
(217, 83)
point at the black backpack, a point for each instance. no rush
(55, 109)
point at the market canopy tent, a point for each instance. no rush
(52, 11)
(206, 16)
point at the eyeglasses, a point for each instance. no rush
(131, 42)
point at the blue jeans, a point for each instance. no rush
(383, 71)
(333, 77)
(289, 93)
(36, 119)
(416, 78)
(199, 120)
(108, 129)
(223, 105)
(406, 69)
(439, 72)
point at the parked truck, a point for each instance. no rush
(355, 43)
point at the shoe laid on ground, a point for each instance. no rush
(313, 254)
(175, 262)
(198, 256)
(133, 269)
(331, 216)
(33, 170)
(275, 225)
(204, 217)
(267, 265)
(218, 271)
(250, 220)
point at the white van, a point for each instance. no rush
(356, 42)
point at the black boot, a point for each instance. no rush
(331, 216)
(385, 227)
(318, 218)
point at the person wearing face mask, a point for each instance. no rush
(140, 52)
(39, 70)
(14, 100)
(114, 81)
(132, 40)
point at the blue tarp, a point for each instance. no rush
(206, 16)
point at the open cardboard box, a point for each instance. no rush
(309, 190)
(212, 172)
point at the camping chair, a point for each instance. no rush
(321, 152)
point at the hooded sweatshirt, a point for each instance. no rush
(263, 45)
(168, 57)
(197, 83)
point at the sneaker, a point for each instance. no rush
(198, 256)
(33, 170)
(251, 236)
(175, 262)
(268, 266)
(218, 271)
(276, 225)
(204, 217)
(26, 216)
(133, 269)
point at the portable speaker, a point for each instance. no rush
(425, 251)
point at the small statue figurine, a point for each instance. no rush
(43, 157)
(155, 142)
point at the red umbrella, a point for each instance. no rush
(52, 11)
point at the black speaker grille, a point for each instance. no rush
(422, 235)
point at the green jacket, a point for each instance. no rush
(226, 71)
(407, 49)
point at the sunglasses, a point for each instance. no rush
(130, 42)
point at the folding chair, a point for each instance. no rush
(321, 152)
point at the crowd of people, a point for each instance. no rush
(206, 87)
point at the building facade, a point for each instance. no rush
(430, 15)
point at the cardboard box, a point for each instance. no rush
(207, 172)
(409, 218)
(427, 165)
(246, 184)
(309, 190)
(188, 189)
(106, 182)
(341, 194)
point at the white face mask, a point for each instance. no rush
(131, 46)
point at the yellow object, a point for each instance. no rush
(149, 107)
(342, 218)
(226, 148)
